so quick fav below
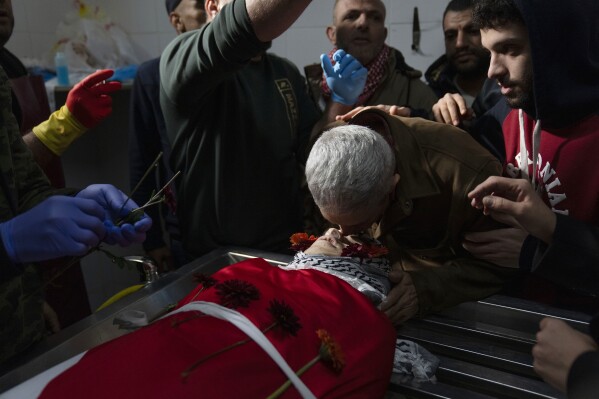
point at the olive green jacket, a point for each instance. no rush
(22, 185)
(424, 226)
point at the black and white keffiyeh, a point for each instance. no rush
(368, 275)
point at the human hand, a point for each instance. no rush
(558, 345)
(401, 303)
(163, 258)
(501, 246)
(514, 202)
(59, 226)
(451, 109)
(390, 109)
(111, 200)
(346, 79)
(329, 244)
(89, 101)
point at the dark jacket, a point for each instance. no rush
(566, 104)
(424, 226)
(147, 138)
(238, 131)
(583, 378)
(22, 186)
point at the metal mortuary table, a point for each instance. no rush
(484, 347)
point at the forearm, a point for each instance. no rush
(42, 154)
(270, 18)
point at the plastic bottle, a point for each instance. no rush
(62, 69)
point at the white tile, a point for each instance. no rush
(44, 16)
(403, 11)
(317, 14)
(41, 44)
(304, 46)
(165, 39)
(148, 45)
(133, 15)
(21, 18)
(432, 46)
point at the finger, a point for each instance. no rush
(443, 114)
(349, 65)
(96, 77)
(130, 235)
(460, 103)
(493, 204)
(105, 88)
(349, 115)
(359, 74)
(143, 225)
(339, 55)
(327, 67)
(455, 112)
(491, 185)
(392, 298)
(437, 113)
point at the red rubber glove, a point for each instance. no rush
(89, 101)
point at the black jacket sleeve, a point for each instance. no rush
(572, 259)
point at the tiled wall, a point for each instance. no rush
(147, 24)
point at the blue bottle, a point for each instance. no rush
(62, 69)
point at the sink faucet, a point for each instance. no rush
(150, 270)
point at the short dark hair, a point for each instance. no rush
(457, 5)
(493, 14)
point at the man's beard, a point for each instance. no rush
(475, 69)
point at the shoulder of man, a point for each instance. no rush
(402, 67)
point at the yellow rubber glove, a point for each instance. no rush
(59, 131)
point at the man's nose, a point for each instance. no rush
(460, 40)
(362, 21)
(496, 68)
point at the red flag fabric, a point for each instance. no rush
(148, 363)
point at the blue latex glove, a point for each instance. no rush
(111, 200)
(346, 79)
(59, 226)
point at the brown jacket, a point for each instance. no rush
(423, 227)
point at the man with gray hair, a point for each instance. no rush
(405, 181)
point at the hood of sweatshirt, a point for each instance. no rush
(564, 40)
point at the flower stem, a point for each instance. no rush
(287, 383)
(191, 368)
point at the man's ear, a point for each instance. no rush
(211, 7)
(176, 22)
(332, 35)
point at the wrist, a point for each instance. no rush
(59, 131)
(5, 234)
(345, 101)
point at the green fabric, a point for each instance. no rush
(22, 185)
(238, 131)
